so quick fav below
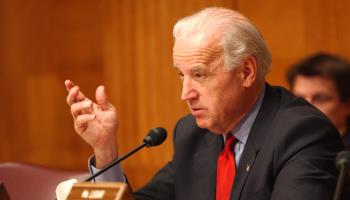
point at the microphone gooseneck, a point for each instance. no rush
(154, 137)
(342, 162)
(343, 158)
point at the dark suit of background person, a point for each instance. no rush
(282, 153)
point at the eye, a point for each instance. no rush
(181, 75)
(321, 98)
(198, 75)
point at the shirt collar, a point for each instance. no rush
(242, 130)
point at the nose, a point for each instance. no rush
(188, 90)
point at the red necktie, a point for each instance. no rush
(226, 171)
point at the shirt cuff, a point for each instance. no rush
(114, 174)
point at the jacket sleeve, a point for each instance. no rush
(160, 187)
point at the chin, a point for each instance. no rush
(202, 123)
(206, 124)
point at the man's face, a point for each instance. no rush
(213, 93)
(322, 93)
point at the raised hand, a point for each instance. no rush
(96, 122)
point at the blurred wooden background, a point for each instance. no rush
(126, 45)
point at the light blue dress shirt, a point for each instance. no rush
(242, 130)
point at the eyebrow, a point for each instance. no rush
(174, 65)
(199, 68)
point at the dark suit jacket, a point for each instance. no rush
(289, 154)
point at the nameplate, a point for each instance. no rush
(100, 191)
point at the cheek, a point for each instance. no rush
(326, 109)
(330, 109)
(225, 103)
(222, 96)
(215, 104)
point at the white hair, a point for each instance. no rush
(239, 37)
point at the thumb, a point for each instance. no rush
(101, 97)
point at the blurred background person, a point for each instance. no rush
(324, 81)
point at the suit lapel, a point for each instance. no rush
(266, 113)
(246, 163)
(205, 166)
(215, 144)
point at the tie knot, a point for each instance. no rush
(229, 141)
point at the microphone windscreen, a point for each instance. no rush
(343, 158)
(155, 137)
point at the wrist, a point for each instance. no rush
(105, 156)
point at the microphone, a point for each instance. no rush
(342, 162)
(154, 137)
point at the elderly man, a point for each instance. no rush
(277, 145)
(324, 80)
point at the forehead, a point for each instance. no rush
(313, 84)
(187, 53)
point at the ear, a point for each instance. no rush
(249, 71)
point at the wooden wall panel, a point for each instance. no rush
(327, 27)
(127, 46)
(45, 42)
(295, 29)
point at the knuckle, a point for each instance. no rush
(79, 121)
(73, 109)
